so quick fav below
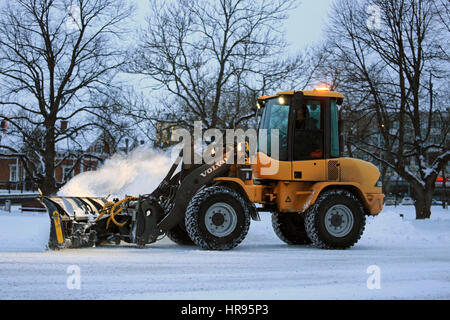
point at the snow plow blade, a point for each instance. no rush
(70, 218)
(89, 221)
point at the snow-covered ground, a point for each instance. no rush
(411, 258)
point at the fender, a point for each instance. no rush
(317, 188)
(247, 191)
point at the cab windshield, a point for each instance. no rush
(275, 117)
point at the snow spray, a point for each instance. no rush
(138, 172)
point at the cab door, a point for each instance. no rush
(309, 147)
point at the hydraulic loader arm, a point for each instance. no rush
(194, 181)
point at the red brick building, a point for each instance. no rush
(13, 176)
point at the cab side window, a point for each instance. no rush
(308, 131)
(335, 149)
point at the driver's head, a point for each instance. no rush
(301, 113)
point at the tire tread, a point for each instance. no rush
(311, 221)
(192, 221)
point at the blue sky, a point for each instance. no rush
(304, 26)
(306, 22)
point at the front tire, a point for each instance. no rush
(217, 218)
(336, 220)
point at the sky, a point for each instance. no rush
(305, 24)
(303, 28)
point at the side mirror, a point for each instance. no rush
(259, 104)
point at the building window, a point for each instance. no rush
(436, 124)
(88, 167)
(13, 173)
(67, 173)
(100, 148)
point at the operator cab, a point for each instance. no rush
(304, 124)
(307, 124)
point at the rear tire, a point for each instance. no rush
(217, 218)
(290, 228)
(336, 220)
(179, 235)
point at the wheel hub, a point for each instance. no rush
(339, 220)
(220, 219)
(336, 220)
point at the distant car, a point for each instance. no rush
(436, 202)
(390, 201)
(407, 201)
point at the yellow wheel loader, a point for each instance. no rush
(315, 196)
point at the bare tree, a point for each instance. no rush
(393, 60)
(113, 118)
(213, 58)
(54, 54)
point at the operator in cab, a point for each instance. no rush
(308, 135)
